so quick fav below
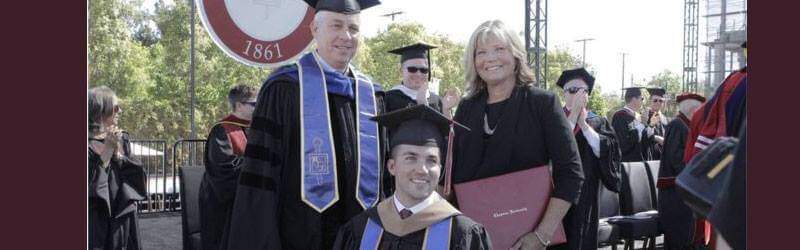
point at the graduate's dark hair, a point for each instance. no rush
(101, 105)
(240, 93)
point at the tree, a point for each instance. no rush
(384, 68)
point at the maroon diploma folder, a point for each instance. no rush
(509, 205)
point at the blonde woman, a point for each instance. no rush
(514, 126)
(116, 181)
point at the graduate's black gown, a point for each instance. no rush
(581, 221)
(112, 193)
(652, 151)
(217, 188)
(676, 219)
(629, 143)
(268, 212)
(396, 99)
(530, 130)
(465, 234)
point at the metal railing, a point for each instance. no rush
(162, 181)
(188, 152)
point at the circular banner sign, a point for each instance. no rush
(260, 33)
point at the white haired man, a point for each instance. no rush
(313, 158)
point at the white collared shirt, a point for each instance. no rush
(640, 126)
(433, 198)
(412, 93)
(326, 65)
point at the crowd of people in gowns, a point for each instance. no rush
(321, 157)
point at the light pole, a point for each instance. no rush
(584, 49)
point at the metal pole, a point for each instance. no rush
(584, 49)
(623, 76)
(191, 74)
(528, 30)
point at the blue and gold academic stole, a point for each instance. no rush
(437, 236)
(319, 184)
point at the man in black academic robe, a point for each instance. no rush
(676, 219)
(275, 208)
(627, 123)
(415, 68)
(415, 217)
(224, 151)
(653, 144)
(600, 159)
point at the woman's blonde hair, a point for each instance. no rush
(497, 29)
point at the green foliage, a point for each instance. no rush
(149, 68)
(384, 68)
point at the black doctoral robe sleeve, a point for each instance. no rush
(674, 143)
(562, 150)
(627, 135)
(219, 163)
(610, 157)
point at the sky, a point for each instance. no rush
(650, 32)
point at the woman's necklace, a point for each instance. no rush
(486, 128)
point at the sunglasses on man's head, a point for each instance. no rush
(574, 90)
(658, 100)
(412, 69)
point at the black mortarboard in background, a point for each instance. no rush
(342, 6)
(633, 92)
(417, 50)
(419, 125)
(657, 91)
(568, 75)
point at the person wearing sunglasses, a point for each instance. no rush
(116, 180)
(600, 158)
(415, 68)
(653, 143)
(627, 123)
(223, 153)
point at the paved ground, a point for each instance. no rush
(160, 231)
(163, 232)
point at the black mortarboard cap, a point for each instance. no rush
(342, 6)
(633, 91)
(657, 91)
(417, 50)
(568, 75)
(418, 125)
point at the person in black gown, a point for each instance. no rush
(515, 126)
(600, 158)
(653, 144)
(627, 123)
(415, 69)
(313, 158)
(410, 218)
(676, 219)
(223, 154)
(116, 181)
